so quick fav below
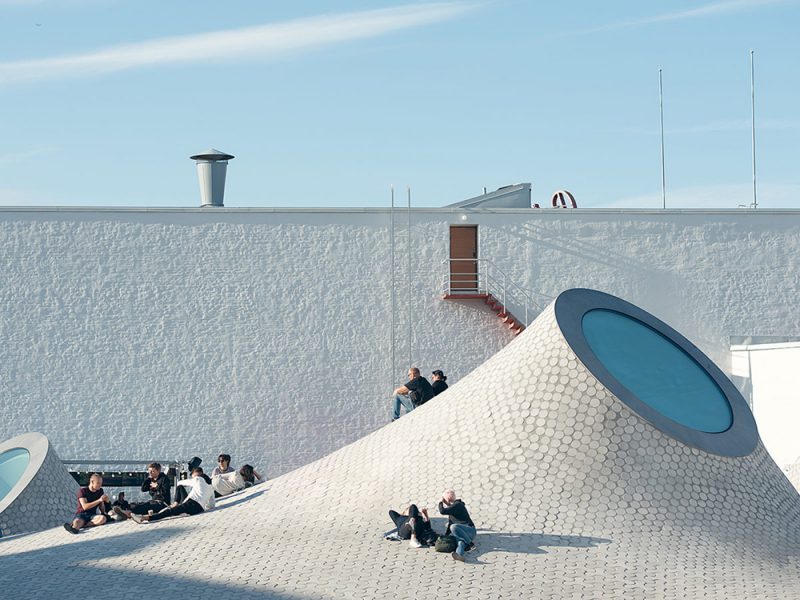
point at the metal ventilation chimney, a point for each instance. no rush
(211, 167)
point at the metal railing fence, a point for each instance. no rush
(466, 276)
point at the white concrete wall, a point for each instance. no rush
(266, 333)
(772, 370)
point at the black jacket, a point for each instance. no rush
(456, 514)
(160, 493)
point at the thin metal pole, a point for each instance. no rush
(391, 253)
(753, 115)
(663, 174)
(410, 286)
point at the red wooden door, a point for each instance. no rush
(464, 246)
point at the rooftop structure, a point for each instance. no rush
(227, 329)
(575, 491)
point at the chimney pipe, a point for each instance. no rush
(211, 168)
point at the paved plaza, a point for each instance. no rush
(574, 496)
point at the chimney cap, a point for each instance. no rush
(212, 154)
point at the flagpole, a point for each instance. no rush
(663, 175)
(753, 120)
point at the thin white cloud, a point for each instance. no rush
(262, 41)
(707, 10)
(22, 155)
(770, 195)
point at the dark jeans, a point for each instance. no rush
(189, 507)
(142, 508)
(412, 523)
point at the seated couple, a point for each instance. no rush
(414, 525)
(227, 480)
(157, 485)
(200, 498)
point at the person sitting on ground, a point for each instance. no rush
(200, 499)
(123, 505)
(416, 392)
(121, 502)
(459, 523)
(414, 525)
(228, 483)
(157, 485)
(90, 499)
(438, 383)
(223, 465)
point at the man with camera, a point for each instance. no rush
(459, 523)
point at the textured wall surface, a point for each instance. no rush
(141, 334)
(574, 496)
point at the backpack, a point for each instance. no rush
(446, 543)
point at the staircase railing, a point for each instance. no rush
(480, 276)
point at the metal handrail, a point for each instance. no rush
(487, 279)
(166, 463)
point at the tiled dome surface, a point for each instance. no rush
(574, 496)
(46, 499)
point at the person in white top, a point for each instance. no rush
(228, 483)
(200, 498)
(224, 462)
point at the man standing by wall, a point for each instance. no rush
(416, 392)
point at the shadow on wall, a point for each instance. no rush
(72, 565)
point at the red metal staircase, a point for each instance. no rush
(479, 279)
(513, 323)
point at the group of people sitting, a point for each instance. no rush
(194, 495)
(417, 390)
(414, 525)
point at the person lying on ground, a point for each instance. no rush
(459, 523)
(251, 476)
(414, 525)
(200, 499)
(90, 499)
(415, 392)
(228, 483)
(157, 485)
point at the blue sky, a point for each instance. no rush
(329, 103)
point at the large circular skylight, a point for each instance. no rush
(656, 372)
(12, 465)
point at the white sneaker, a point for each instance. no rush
(414, 543)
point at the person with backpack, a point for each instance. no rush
(459, 523)
(416, 392)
